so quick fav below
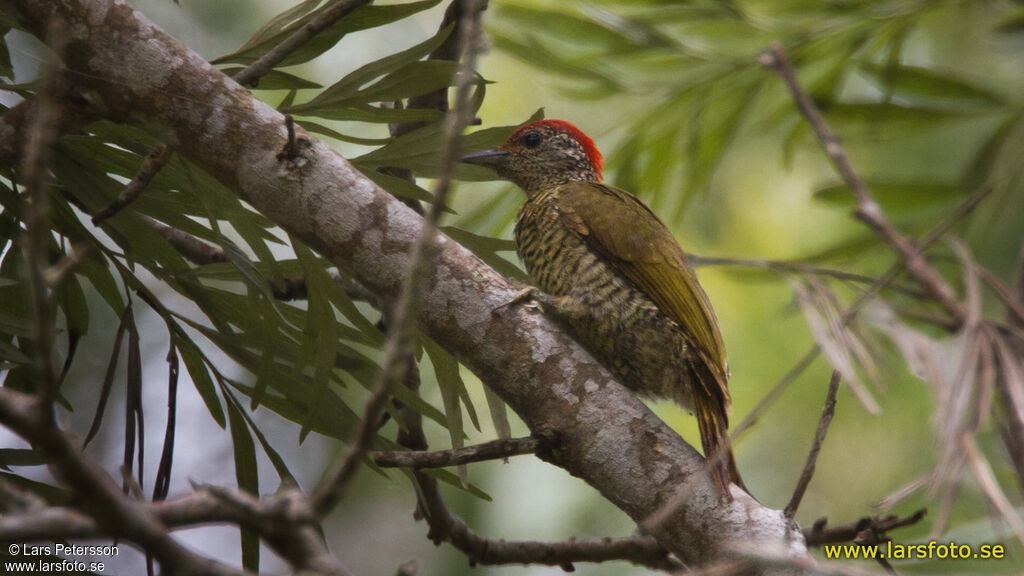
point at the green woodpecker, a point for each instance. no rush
(613, 273)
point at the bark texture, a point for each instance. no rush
(606, 436)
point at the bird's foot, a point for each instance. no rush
(526, 294)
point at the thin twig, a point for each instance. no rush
(868, 209)
(59, 272)
(775, 393)
(112, 511)
(36, 170)
(1011, 421)
(192, 248)
(274, 516)
(322, 21)
(421, 260)
(820, 533)
(819, 438)
(493, 450)
(155, 160)
(990, 486)
(1014, 306)
(933, 235)
(444, 527)
(796, 267)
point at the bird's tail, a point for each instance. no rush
(711, 404)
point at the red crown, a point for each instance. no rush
(566, 128)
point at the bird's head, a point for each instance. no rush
(542, 155)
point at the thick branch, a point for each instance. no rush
(13, 123)
(400, 344)
(606, 435)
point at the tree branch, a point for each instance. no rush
(493, 450)
(819, 438)
(820, 534)
(282, 519)
(322, 21)
(402, 320)
(161, 154)
(111, 510)
(445, 527)
(933, 235)
(868, 209)
(155, 160)
(36, 170)
(605, 432)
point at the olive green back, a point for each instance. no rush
(622, 229)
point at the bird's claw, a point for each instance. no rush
(528, 294)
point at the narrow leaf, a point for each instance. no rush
(247, 476)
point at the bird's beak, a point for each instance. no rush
(492, 158)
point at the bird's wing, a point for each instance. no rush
(627, 234)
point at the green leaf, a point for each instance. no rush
(278, 80)
(13, 325)
(373, 114)
(928, 85)
(412, 80)
(877, 120)
(12, 354)
(98, 274)
(895, 196)
(499, 413)
(288, 101)
(478, 242)
(446, 369)
(448, 478)
(991, 153)
(321, 334)
(247, 476)
(6, 70)
(21, 457)
(273, 455)
(273, 28)
(487, 248)
(346, 91)
(269, 333)
(335, 420)
(718, 123)
(70, 297)
(361, 18)
(226, 271)
(54, 495)
(200, 376)
(399, 187)
(535, 53)
(615, 33)
(419, 151)
(1014, 24)
(325, 131)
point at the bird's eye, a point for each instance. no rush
(531, 139)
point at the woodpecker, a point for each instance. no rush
(612, 272)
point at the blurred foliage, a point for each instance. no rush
(926, 96)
